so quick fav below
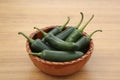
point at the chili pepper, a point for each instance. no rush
(84, 42)
(58, 56)
(58, 43)
(36, 45)
(77, 33)
(59, 29)
(56, 29)
(64, 34)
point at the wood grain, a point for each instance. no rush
(23, 15)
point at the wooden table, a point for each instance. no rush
(23, 15)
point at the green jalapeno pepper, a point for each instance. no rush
(58, 56)
(77, 33)
(64, 34)
(36, 45)
(57, 43)
(59, 29)
(84, 42)
(56, 30)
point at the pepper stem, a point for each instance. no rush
(81, 20)
(93, 33)
(43, 32)
(35, 54)
(29, 39)
(84, 26)
(65, 23)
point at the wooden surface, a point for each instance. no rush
(23, 15)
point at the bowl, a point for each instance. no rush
(58, 68)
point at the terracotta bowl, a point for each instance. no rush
(58, 68)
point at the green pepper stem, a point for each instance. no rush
(93, 33)
(28, 38)
(43, 32)
(84, 26)
(81, 20)
(65, 23)
(35, 54)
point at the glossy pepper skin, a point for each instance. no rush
(59, 29)
(58, 43)
(56, 30)
(77, 33)
(36, 45)
(58, 56)
(84, 42)
(64, 34)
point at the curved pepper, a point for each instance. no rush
(59, 29)
(56, 30)
(64, 34)
(36, 45)
(58, 56)
(77, 33)
(84, 42)
(58, 43)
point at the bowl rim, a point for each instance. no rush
(88, 53)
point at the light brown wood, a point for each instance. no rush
(23, 15)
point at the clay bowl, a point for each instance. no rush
(58, 68)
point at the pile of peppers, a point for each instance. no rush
(62, 43)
